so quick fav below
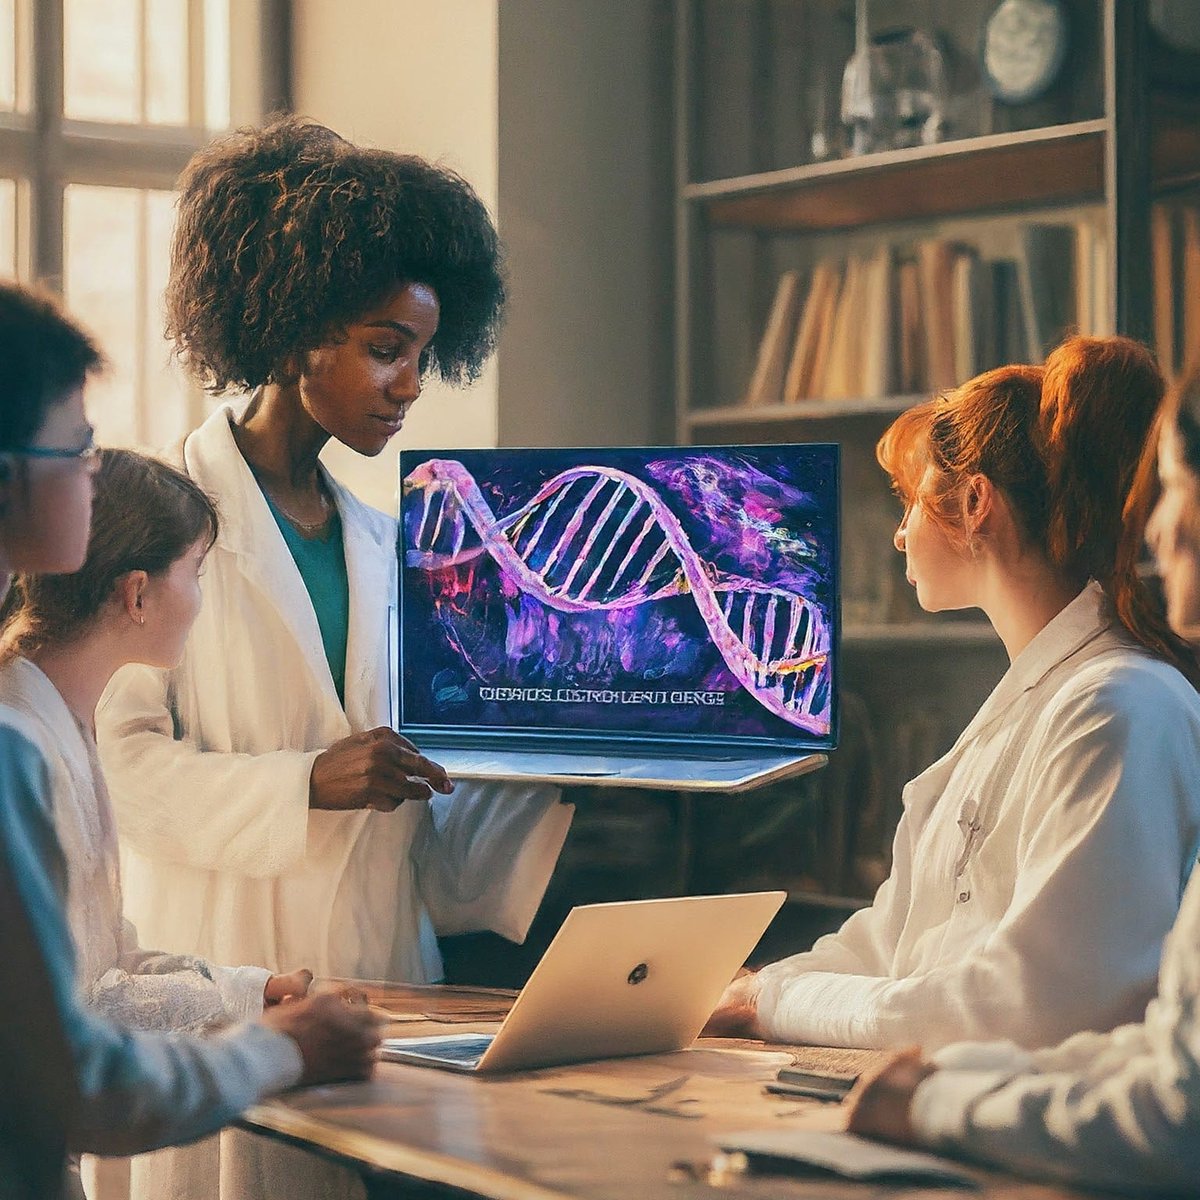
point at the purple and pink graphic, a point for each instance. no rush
(667, 592)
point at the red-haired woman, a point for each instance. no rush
(1112, 1110)
(1025, 495)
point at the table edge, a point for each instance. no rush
(365, 1150)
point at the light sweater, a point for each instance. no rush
(1004, 915)
(130, 1091)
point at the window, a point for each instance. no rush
(102, 102)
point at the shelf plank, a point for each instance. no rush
(1175, 149)
(806, 410)
(1055, 165)
(918, 633)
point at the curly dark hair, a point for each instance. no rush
(289, 233)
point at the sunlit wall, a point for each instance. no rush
(419, 78)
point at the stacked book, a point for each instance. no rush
(1175, 246)
(898, 324)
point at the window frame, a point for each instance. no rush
(46, 152)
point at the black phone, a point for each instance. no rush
(808, 1093)
(792, 1081)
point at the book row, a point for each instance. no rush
(916, 320)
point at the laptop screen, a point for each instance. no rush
(677, 593)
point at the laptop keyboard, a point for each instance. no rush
(468, 1051)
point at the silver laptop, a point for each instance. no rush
(645, 617)
(639, 977)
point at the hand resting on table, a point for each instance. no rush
(337, 1037)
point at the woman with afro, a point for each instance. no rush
(268, 812)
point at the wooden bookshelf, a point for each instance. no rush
(1035, 168)
(750, 209)
(1057, 165)
(1031, 168)
(743, 415)
(1175, 145)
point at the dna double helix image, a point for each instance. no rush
(597, 539)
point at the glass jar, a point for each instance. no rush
(894, 93)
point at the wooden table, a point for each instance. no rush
(624, 1129)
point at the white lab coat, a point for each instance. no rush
(209, 767)
(1080, 775)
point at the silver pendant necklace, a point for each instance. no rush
(306, 526)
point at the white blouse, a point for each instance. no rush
(142, 989)
(1004, 915)
(1115, 1110)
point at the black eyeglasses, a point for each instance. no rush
(88, 453)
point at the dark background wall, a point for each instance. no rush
(585, 210)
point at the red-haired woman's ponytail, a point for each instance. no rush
(1100, 399)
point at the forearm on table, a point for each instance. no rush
(1130, 1128)
(143, 1091)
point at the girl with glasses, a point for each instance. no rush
(71, 1080)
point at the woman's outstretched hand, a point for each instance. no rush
(736, 1014)
(291, 986)
(880, 1105)
(378, 769)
